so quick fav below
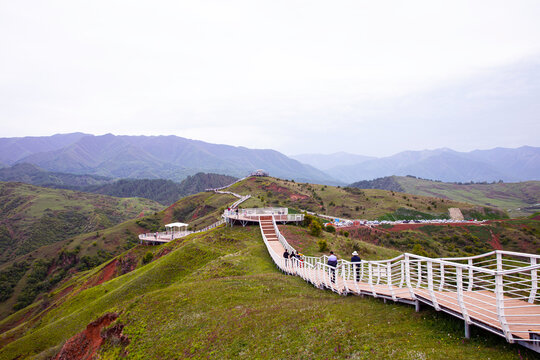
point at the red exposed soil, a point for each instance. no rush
(495, 243)
(85, 344)
(297, 241)
(402, 227)
(278, 189)
(296, 197)
(106, 274)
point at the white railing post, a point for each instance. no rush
(430, 285)
(534, 281)
(471, 275)
(389, 280)
(441, 284)
(408, 275)
(419, 274)
(402, 273)
(461, 300)
(499, 298)
(343, 276)
(370, 279)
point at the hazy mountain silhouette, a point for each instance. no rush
(167, 157)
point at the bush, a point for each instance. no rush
(419, 250)
(315, 228)
(147, 257)
(323, 245)
(330, 228)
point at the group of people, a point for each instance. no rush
(292, 255)
(332, 262)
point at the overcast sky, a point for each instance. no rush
(366, 77)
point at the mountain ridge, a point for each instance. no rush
(168, 157)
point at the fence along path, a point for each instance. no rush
(496, 291)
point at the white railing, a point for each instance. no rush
(497, 291)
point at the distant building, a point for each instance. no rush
(259, 172)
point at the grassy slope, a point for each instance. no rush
(336, 201)
(32, 216)
(506, 196)
(217, 295)
(198, 210)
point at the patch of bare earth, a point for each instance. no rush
(86, 344)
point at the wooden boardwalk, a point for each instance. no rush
(500, 307)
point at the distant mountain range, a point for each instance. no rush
(174, 158)
(149, 157)
(163, 191)
(505, 164)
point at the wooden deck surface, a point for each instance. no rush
(481, 304)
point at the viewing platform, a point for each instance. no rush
(253, 215)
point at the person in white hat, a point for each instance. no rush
(355, 259)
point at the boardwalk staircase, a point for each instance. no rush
(268, 229)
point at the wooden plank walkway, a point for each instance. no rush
(481, 304)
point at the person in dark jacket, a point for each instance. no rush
(355, 259)
(332, 262)
(286, 256)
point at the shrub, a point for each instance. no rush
(315, 228)
(330, 228)
(419, 250)
(147, 257)
(323, 245)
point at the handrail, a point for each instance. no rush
(485, 290)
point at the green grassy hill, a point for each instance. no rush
(353, 203)
(25, 277)
(217, 295)
(518, 199)
(32, 216)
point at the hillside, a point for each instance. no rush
(163, 191)
(165, 157)
(33, 175)
(168, 309)
(352, 203)
(23, 278)
(32, 216)
(517, 199)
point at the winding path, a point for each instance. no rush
(496, 291)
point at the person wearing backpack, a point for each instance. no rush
(355, 260)
(332, 262)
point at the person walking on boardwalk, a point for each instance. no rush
(332, 262)
(355, 260)
(286, 257)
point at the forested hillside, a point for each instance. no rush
(163, 191)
